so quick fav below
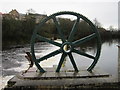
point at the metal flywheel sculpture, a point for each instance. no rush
(70, 43)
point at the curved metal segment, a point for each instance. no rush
(47, 40)
(61, 62)
(73, 62)
(74, 29)
(67, 13)
(83, 53)
(85, 39)
(49, 55)
(96, 58)
(59, 29)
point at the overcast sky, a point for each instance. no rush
(106, 11)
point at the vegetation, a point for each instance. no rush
(20, 31)
(16, 31)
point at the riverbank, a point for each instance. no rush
(20, 31)
(13, 44)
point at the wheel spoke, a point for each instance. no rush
(49, 55)
(92, 65)
(73, 62)
(61, 62)
(74, 29)
(83, 53)
(39, 67)
(85, 39)
(57, 23)
(49, 41)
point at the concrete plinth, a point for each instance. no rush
(66, 79)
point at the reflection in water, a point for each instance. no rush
(109, 58)
(91, 46)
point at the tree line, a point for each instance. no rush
(20, 31)
(16, 31)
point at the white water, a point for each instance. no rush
(14, 61)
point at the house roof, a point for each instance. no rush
(13, 11)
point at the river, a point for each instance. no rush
(14, 61)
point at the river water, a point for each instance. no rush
(14, 61)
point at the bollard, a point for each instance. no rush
(118, 63)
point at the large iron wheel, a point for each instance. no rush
(69, 43)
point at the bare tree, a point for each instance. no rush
(30, 11)
(97, 24)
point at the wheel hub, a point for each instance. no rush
(67, 47)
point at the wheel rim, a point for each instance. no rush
(69, 43)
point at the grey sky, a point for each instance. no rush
(119, 15)
(106, 11)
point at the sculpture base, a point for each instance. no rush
(66, 79)
(63, 74)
